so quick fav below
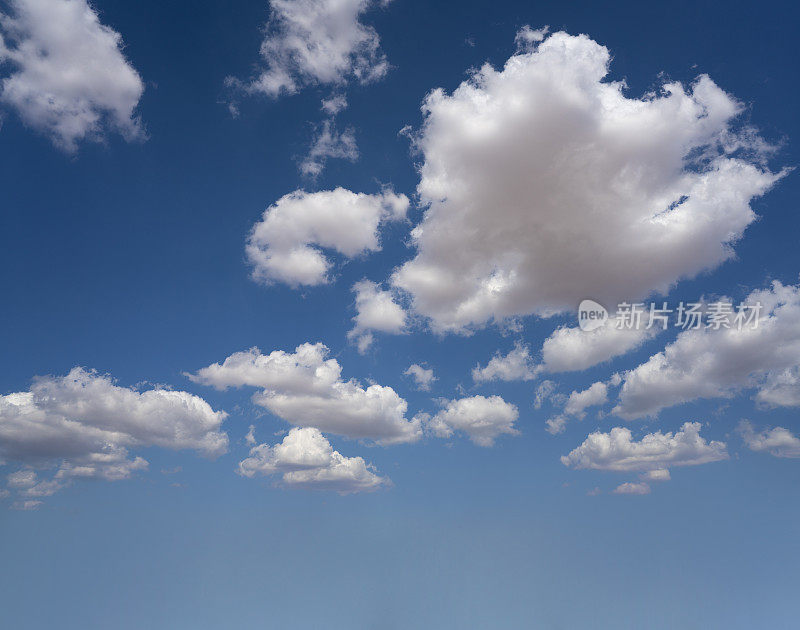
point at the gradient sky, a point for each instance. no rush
(127, 256)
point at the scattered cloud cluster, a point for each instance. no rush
(546, 184)
(83, 425)
(316, 42)
(68, 77)
(305, 389)
(286, 245)
(718, 363)
(305, 459)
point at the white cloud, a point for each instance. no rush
(26, 505)
(778, 441)
(376, 310)
(576, 404)
(482, 419)
(285, 246)
(579, 401)
(632, 488)
(546, 185)
(363, 341)
(84, 425)
(517, 365)
(423, 377)
(546, 392)
(305, 459)
(315, 42)
(781, 388)
(709, 363)
(556, 425)
(69, 78)
(334, 104)
(306, 370)
(328, 143)
(571, 349)
(567, 349)
(27, 483)
(617, 450)
(305, 389)
(527, 37)
(659, 474)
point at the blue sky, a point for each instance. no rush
(125, 499)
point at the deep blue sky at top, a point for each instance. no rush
(128, 258)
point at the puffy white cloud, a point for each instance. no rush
(69, 78)
(375, 412)
(617, 450)
(632, 488)
(571, 349)
(305, 389)
(579, 401)
(305, 459)
(546, 184)
(328, 143)
(482, 419)
(306, 370)
(313, 42)
(84, 425)
(423, 377)
(715, 363)
(517, 365)
(285, 246)
(778, 441)
(376, 310)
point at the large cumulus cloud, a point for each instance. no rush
(547, 184)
